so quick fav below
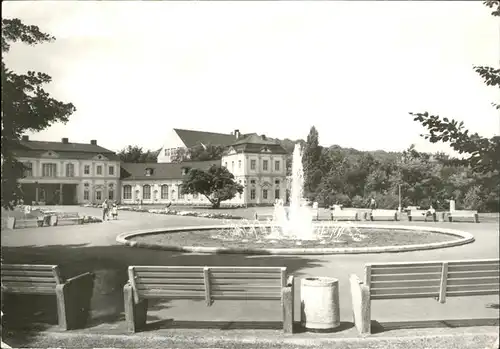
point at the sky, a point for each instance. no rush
(353, 69)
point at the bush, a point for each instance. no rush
(358, 202)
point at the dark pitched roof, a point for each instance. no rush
(192, 138)
(254, 143)
(64, 150)
(137, 171)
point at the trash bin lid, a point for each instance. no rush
(319, 281)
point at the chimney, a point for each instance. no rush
(263, 137)
(65, 140)
(26, 138)
(93, 142)
(237, 133)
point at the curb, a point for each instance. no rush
(464, 238)
(189, 341)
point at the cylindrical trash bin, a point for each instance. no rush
(452, 205)
(319, 302)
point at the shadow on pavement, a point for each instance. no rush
(379, 327)
(109, 264)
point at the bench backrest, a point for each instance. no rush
(30, 279)
(463, 213)
(432, 279)
(209, 283)
(418, 212)
(384, 212)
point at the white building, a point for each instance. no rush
(68, 173)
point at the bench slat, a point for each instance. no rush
(28, 289)
(251, 287)
(465, 275)
(471, 293)
(409, 295)
(405, 290)
(263, 282)
(404, 264)
(170, 275)
(171, 294)
(222, 275)
(190, 287)
(406, 270)
(481, 287)
(39, 267)
(472, 267)
(409, 277)
(404, 283)
(245, 298)
(149, 280)
(246, 295)
(165, 268)
(33, 273)
(473, 281)
(28, 279)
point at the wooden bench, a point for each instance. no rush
(349, 215)
(205, 283)
(414, 215)
(385, 215)
(69, 220)
(462, 214)
(73, 295)
(421, 280)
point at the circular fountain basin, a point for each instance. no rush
(378, 239)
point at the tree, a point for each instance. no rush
(135, 154)
(216, 184)
(483, 154)
(310, 161)
(26, 106)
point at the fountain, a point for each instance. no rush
(296, 223)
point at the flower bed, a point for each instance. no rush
(214, 215)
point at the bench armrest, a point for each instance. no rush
(289, 281)
(360, 297)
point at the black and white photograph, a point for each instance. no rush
(250, 174)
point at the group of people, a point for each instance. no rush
(109, 210)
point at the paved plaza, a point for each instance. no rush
(92, 247)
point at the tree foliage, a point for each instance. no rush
(216, 184)
(26, 106)
(136, 154)
(311, 155)
(199, 153)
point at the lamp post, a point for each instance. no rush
(399, 190)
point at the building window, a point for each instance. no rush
(99, 169)
(98, 195)
(28, 169)
(252, 194)
(179, 195)
(164, 191)
(149, 172)
(265, 165)
(86, 195)
(252, 181)
(165, 151)
(86, 169)
(111, 170)
(276, 193)
(277, 165)
(239, 163)
(225, 164)
(232, 166)
(277, 182)
(146, 192)
(253, 164)
(111, 191)
(70, 170)
(127, 192)
(264, 193)
(49, 170)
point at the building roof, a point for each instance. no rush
(137, 171)
(28, 148)
(190, 138)
(254, 143)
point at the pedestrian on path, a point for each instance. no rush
(104, 209)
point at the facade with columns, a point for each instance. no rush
(68, 173)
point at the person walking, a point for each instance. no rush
(373, 204)
(104, 209)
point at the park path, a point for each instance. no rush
(97, 241)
